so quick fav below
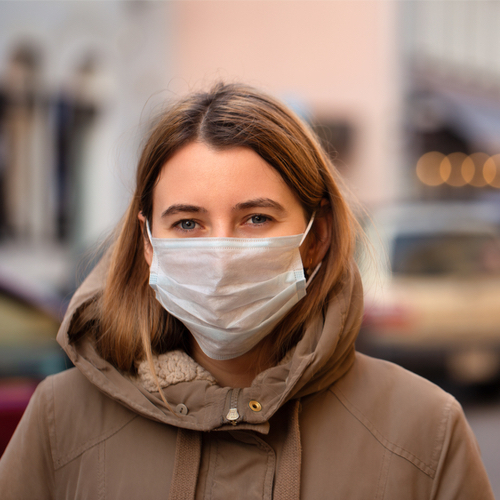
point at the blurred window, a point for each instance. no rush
(22, 323)
(28, 346)
(337, 139)
(446, 254)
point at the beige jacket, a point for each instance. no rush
(325, 423)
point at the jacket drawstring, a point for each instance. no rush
(186, 465)
(188, 456)
(287, 484)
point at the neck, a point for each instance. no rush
(236, 372)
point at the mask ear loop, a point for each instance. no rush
(306, 232)
(313, 274)
(149, 232)
(311, 220)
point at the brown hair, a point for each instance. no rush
(128, 321)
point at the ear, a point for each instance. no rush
(319, 239)
(148, 248)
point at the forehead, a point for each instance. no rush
(202, 175)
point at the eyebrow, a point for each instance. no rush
(259, 203)
(245, 205)
(175, 209)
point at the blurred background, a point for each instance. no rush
(405, 96)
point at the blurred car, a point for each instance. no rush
(29, 320)
(432, 290)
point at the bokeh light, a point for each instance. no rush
(455, 177)
(458, 169)
(491, 171)
(445, 169)
(472, 169)
(428, 170)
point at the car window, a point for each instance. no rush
(445, 254)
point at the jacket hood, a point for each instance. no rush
(323, 355)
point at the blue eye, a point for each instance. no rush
(187, 224)
(258, 219)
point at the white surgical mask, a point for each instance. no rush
(229, 292)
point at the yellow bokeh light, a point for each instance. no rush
(468, 169)
(491, 171)
(444, 169)
(428, 168)
(457, 169)
(472, 169)
(451, 168)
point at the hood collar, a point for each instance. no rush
(321, 357)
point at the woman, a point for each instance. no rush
(214, 344)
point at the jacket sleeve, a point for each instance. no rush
(26, 467)
(461, 474)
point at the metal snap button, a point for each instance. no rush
(255, 405)
(181, 409)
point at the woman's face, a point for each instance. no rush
(203, 192)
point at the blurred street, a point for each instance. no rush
(484, 418)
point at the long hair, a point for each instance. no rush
(128, 322)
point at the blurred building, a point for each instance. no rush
(77, 82)
(452, 57)
(405, 96)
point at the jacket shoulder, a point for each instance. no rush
(406, 413)
(80, 414)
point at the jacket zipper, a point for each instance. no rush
(233, 414)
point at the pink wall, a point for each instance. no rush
(339, 57)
